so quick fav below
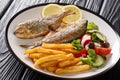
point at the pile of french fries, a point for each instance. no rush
(57, 58)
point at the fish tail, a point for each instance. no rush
(66, 13)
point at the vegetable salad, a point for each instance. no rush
(92, 47)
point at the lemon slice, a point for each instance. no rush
(76, 14)
(71, 18)
(52, 9)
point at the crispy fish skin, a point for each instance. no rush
(67, 34)
(39, 27)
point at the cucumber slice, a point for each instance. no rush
(101, 37)
(99, 61)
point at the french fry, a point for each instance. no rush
(50, 51)
(68, 57)
(70, 51)
(57, 46)
(43, 50)
(68, 62)
(28, 51)
(79, 63)
(52, 68)
(54, 63)
(37, 55)
(73, 69)
(48, 64)
(49, 58)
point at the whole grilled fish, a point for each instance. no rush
(39, 27)
(66, 34)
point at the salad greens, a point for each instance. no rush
(92, 54)
(76, 44)
(92, 26)
(86, 60)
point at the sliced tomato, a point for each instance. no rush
(102, 51)
(85, 39)
(82, 52)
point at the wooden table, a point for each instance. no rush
(12, 69)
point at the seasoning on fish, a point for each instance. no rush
(39, 27)
(70, 32)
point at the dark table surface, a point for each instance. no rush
(12, 69)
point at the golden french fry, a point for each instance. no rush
(73, 69)
(48, 64)
(52, 68)
(50, 51)
(68, 57)
(79, 63)
(68, 62)
(70, 51)
(49, 58)
(28, 51)
(57, 46)
(37, 55)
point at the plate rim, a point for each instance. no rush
(43, 4)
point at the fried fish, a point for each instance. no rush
(39, 27)
(66, 34)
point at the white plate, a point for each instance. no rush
(34, 12)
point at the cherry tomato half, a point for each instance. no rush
(82, 52)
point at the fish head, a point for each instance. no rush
(21, 31)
